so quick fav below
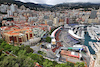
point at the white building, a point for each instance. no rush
(12, 8)
(55, 22)
(3, 8)
(30, 19)
(9, 12)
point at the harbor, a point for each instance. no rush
(86, 42)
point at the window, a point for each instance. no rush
(30, 35)
(20, 39)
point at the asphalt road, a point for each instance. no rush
(35, 48)
(48, 52)
(63, 38)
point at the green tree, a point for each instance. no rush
(51, 31)
(22, 47)
(15, 49)
(8, 61)
(28, 62)
(37, 58)
(1, 49)
(20, 61)
(40, 52)
(47, 63)
(67, 64)
(60, 65)
(70, 64)
(1, 41)
(28, 49)
(26, 58)
(7, 47)
(48, 39)
(22, 52)
(2, 57)
(80, 64)
(3, 44)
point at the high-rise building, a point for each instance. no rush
(46, 22)
(9, 12)
(67, 20)
(12, 8)
(55, 22)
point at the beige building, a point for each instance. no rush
(92, 61)
(93, 20)
(23, 7)
(55, 22)
(16, 19)
(18, 36)
(97, 61)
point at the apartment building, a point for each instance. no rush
(17, 36)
